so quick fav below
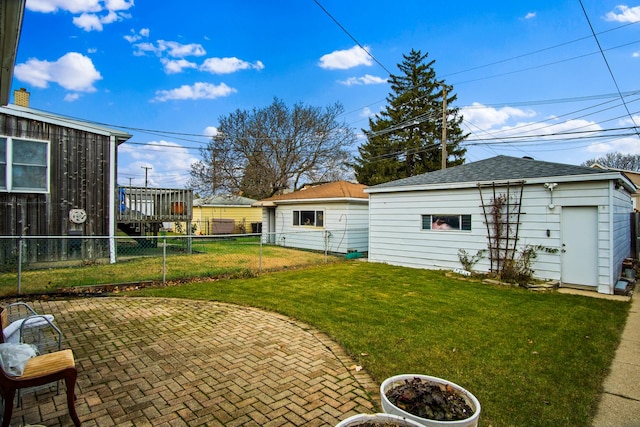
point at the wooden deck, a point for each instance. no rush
(154, 205)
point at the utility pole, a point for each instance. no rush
(129, 178)
(444, 126)
(146, 174)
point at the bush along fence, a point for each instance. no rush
(33, 264)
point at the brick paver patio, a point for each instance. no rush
(170, 362)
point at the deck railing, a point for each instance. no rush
(142, 204)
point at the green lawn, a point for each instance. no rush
(534, 359)
(234, 258)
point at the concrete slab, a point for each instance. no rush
(620, 404)
(623, 381)
(616, 411)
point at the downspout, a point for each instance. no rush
(112, 198)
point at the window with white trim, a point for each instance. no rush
(308, 218)
(24, 165)
(446, 222)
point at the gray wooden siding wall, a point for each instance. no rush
(79, 179)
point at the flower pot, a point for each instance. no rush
(395, 420)
(398, 380)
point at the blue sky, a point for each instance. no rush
(165, 71)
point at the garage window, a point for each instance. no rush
(446, 222)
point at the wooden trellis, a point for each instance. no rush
(502, 213)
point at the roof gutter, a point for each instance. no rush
(272, 203)
(11, 16)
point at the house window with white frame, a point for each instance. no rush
(446, 222)
(24, 165)
(308, 218)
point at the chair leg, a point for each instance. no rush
(70, 382)
(8, 407)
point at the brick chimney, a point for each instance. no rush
(21, 97)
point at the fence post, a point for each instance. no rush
(19, 264)
(327, 234)
(260, 257)
(164, 260)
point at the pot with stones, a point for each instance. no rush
(377, 420)
(430, 401)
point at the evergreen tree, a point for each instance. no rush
(405, 139)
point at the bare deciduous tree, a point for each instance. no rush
(628, 162)
(264, 150)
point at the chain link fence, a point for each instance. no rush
(49, 264)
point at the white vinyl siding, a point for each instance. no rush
(345, 226)
(396, 235)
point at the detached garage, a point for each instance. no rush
(500, 206)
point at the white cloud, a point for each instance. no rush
(624, 145)
(134, 37)
(366, 112)
(70, 97)
(142, 48)
(345, 59)
(73, 6)
(91, 15)
(174, 66)
(118, 4)
(109, 18)
(631, 121)
(228, 65)
(178, 50)
(530, 15)
(131, 159)
(622, 13)
(169, 48)
(73, 71)
(367, 79)
(88, 22)
(210, 131)
(198, 90)
(486, 118)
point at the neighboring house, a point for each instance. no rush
(329, 217)
(228, 214)
(582, 213)
(57, 178)
(634, 176)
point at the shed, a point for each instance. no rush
(332, 217)
(225, 214)
(57, 178)
(581, 214)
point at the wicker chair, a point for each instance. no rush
(41, 370)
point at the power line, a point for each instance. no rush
(544, 65)
(538, 51)
(351, 37)
(613, 77)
